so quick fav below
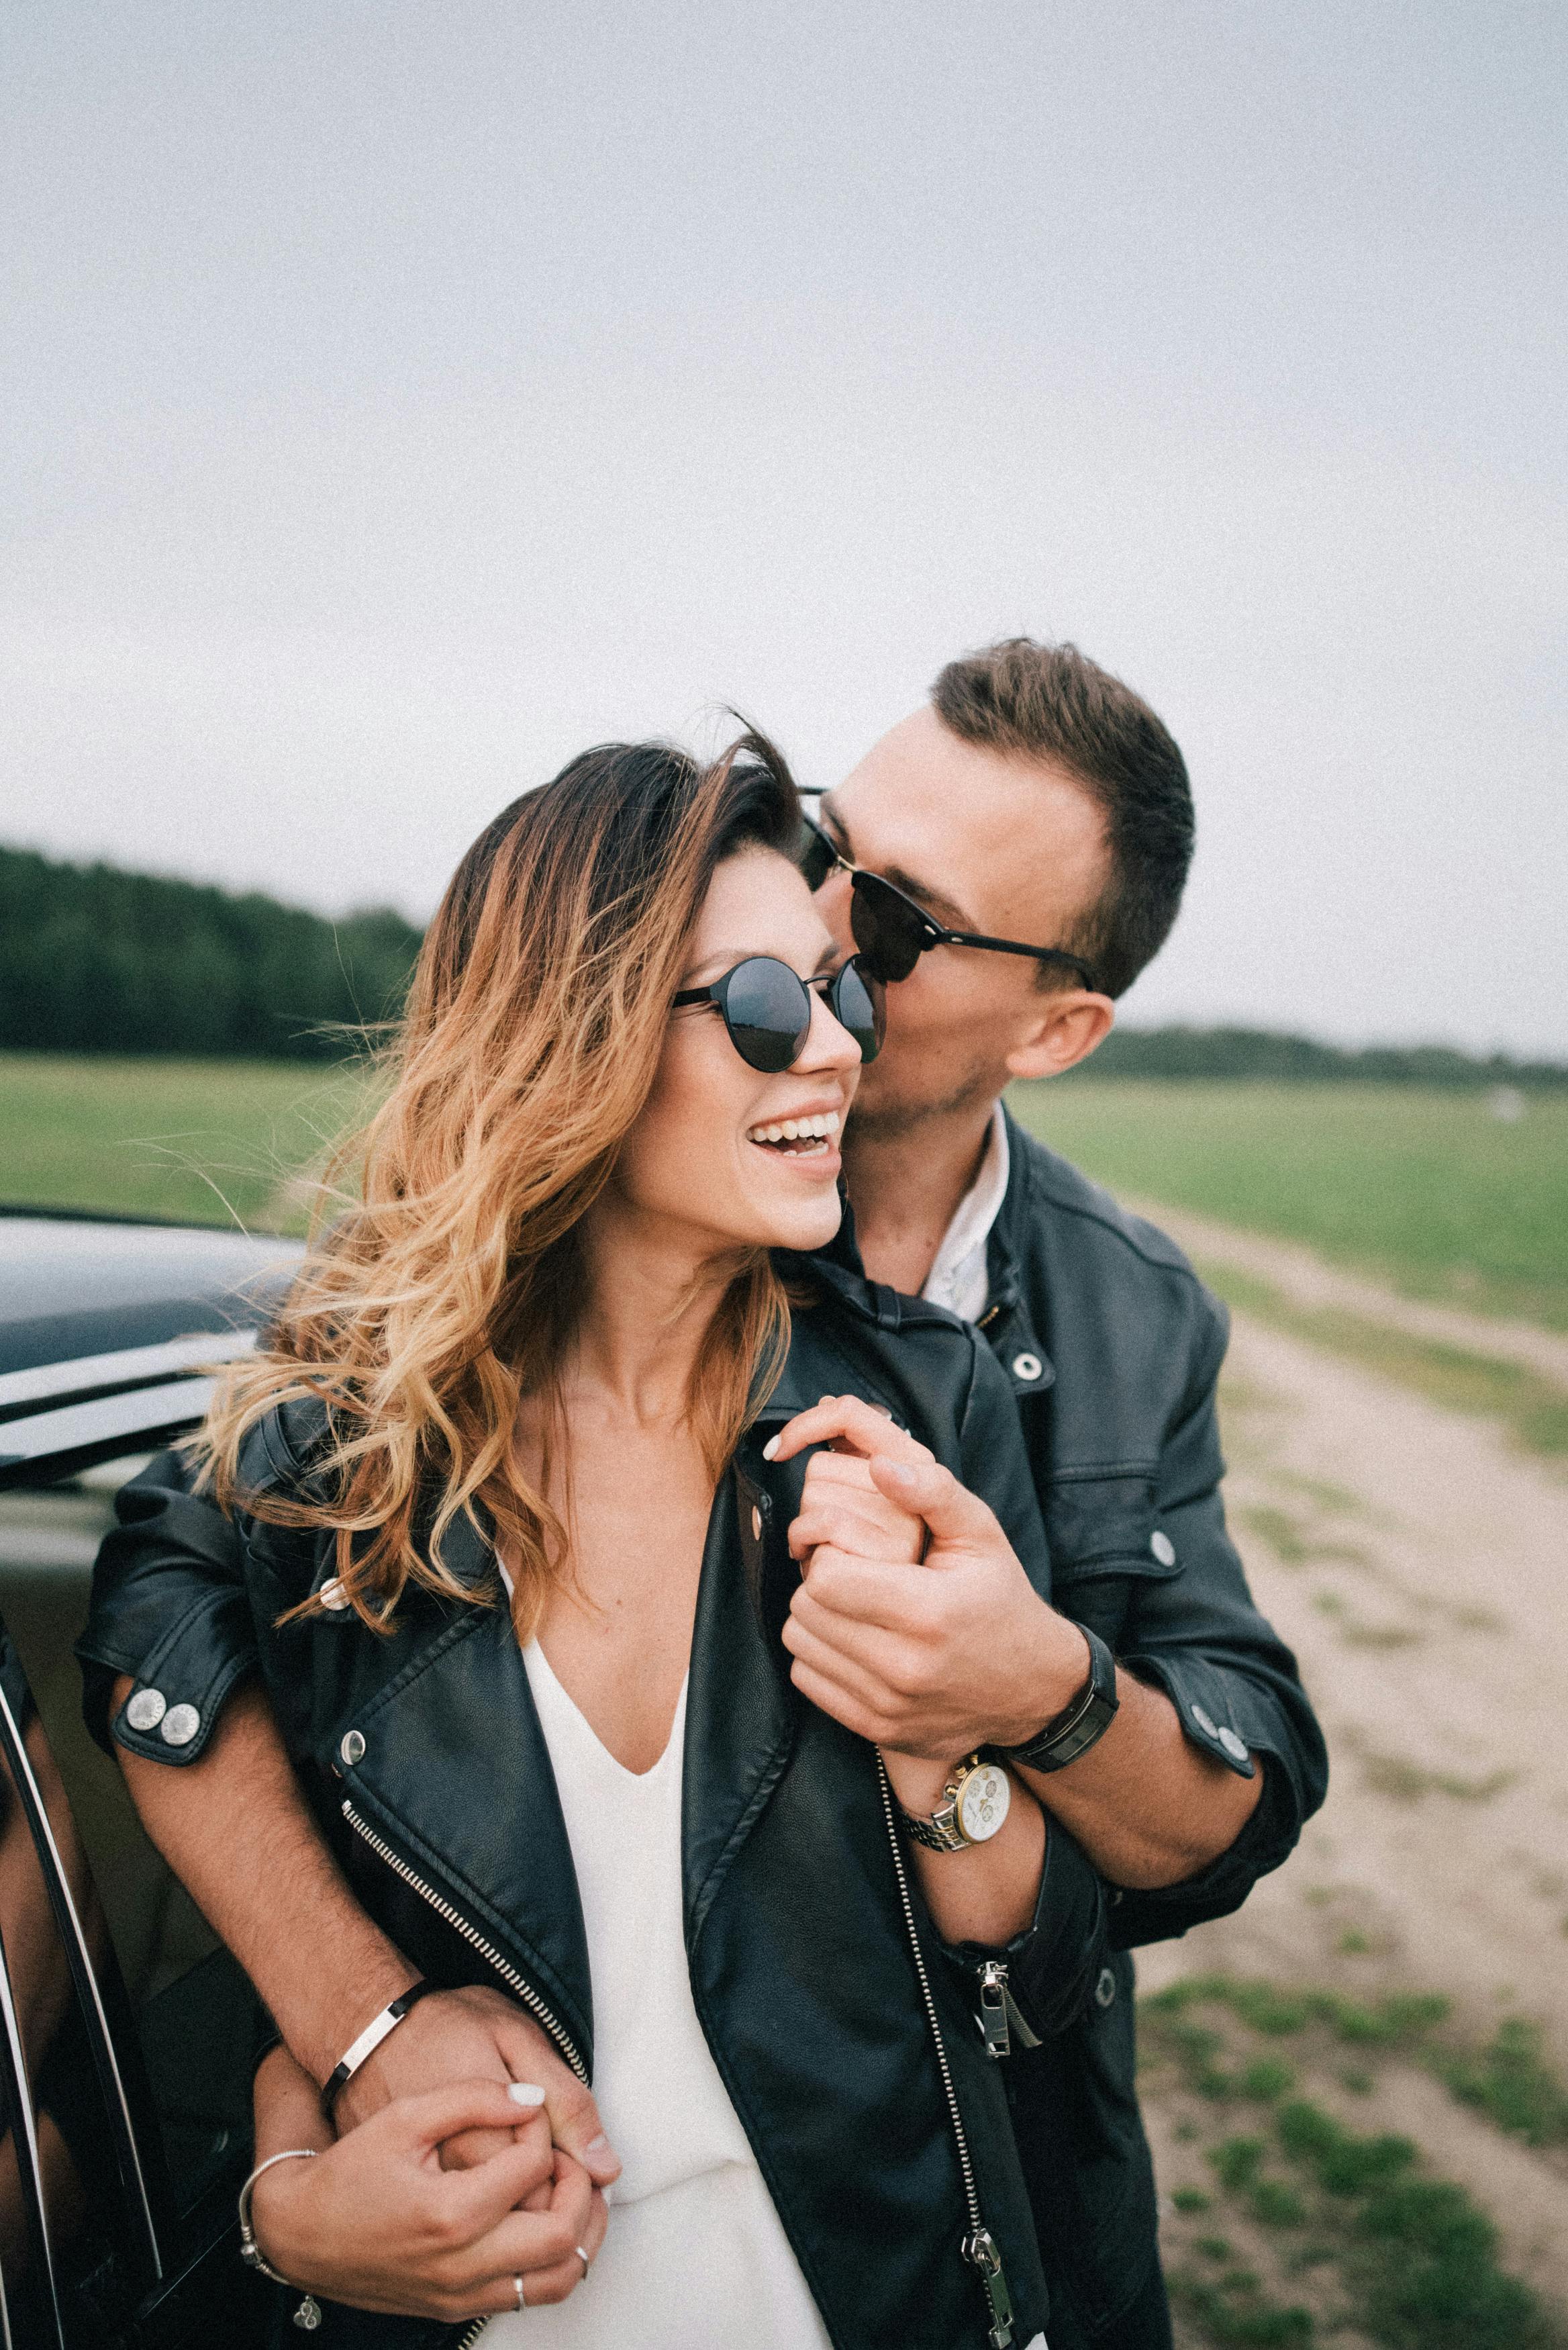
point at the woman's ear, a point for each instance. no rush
(1068, 1028)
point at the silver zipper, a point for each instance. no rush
(1001, 2021)
(979, 2246)
(487, 1950)
(994, 2026)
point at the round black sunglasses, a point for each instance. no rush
(766, 1009)
(891, 931)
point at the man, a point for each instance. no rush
(1012, 856)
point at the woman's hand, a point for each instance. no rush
(935, 1660)
(375, 2220)
(842, 1506)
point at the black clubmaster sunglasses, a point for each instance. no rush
(767, 1009)
(891, 931)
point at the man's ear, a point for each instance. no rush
(1066, 1031)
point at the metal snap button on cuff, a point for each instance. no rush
(352, 1749)
(1163, 1548)
(147, 1709)
(1104, 1988)
(1234, 1747)
(180, 1725)
(1026, 1366)
(1205, 1720)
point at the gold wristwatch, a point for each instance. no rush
(975, 1803)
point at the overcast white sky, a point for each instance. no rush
(404, 396)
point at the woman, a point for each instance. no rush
(550, 1353)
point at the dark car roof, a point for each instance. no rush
(105, 1323)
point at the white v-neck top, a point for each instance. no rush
(695, 2257)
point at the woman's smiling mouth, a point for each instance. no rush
(799, 1137)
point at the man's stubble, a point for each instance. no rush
(901, 1120)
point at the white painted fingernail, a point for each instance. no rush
(525, 2093)
(770, 1449)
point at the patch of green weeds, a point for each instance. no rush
(1357, 1632)
(1274, 2205)
(1353, 1942)
(1408, 2261)
(1235, 2311)
(1265, 2078)
(1508, 2082)
(1407, 1781)
(1294, 1541)
(1401, 2016)
(1271, 2010)
(1236, 2161)
(1419, 2258)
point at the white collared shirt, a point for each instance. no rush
(958, 1278)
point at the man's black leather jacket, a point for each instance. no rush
(1113, 1347)
(880, 2122)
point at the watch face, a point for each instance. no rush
(982, 1802)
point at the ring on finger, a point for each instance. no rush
(518, 2283)
(583, 2257)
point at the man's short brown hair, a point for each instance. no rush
(1053, 703)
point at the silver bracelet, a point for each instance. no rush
(307, 2317)
(361, 2049)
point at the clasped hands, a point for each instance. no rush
(469, 2156)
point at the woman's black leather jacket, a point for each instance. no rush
(846, 2034)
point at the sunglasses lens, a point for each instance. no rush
(888, 929)
(857, 1004)
(815, 854)
(767, 1013)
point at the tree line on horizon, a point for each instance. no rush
(95, 958)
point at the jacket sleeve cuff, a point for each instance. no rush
(1210, 1703)
(1054, 1963)
(181, 1684)
(1219, 1712)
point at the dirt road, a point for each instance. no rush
(1419, 1568)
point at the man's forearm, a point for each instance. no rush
(237, 1830)
(1145, 1804)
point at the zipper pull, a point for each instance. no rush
(994, 2006)
(981, 2249)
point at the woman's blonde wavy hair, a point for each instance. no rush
(447, 1291)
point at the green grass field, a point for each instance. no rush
(210, 1140)
(1427, 1189)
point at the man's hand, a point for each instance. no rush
(478, 2036)
(932, 1658)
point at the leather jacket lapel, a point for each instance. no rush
(455, 1736)
(740, 1712)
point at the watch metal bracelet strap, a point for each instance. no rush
(361, 2049)
(1073, 1730)
(978, 1777)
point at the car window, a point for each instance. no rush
(186, 2006)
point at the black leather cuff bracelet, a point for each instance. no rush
(370, 2039)
(1073, 1730)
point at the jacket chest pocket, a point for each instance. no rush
(1107, 1544)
